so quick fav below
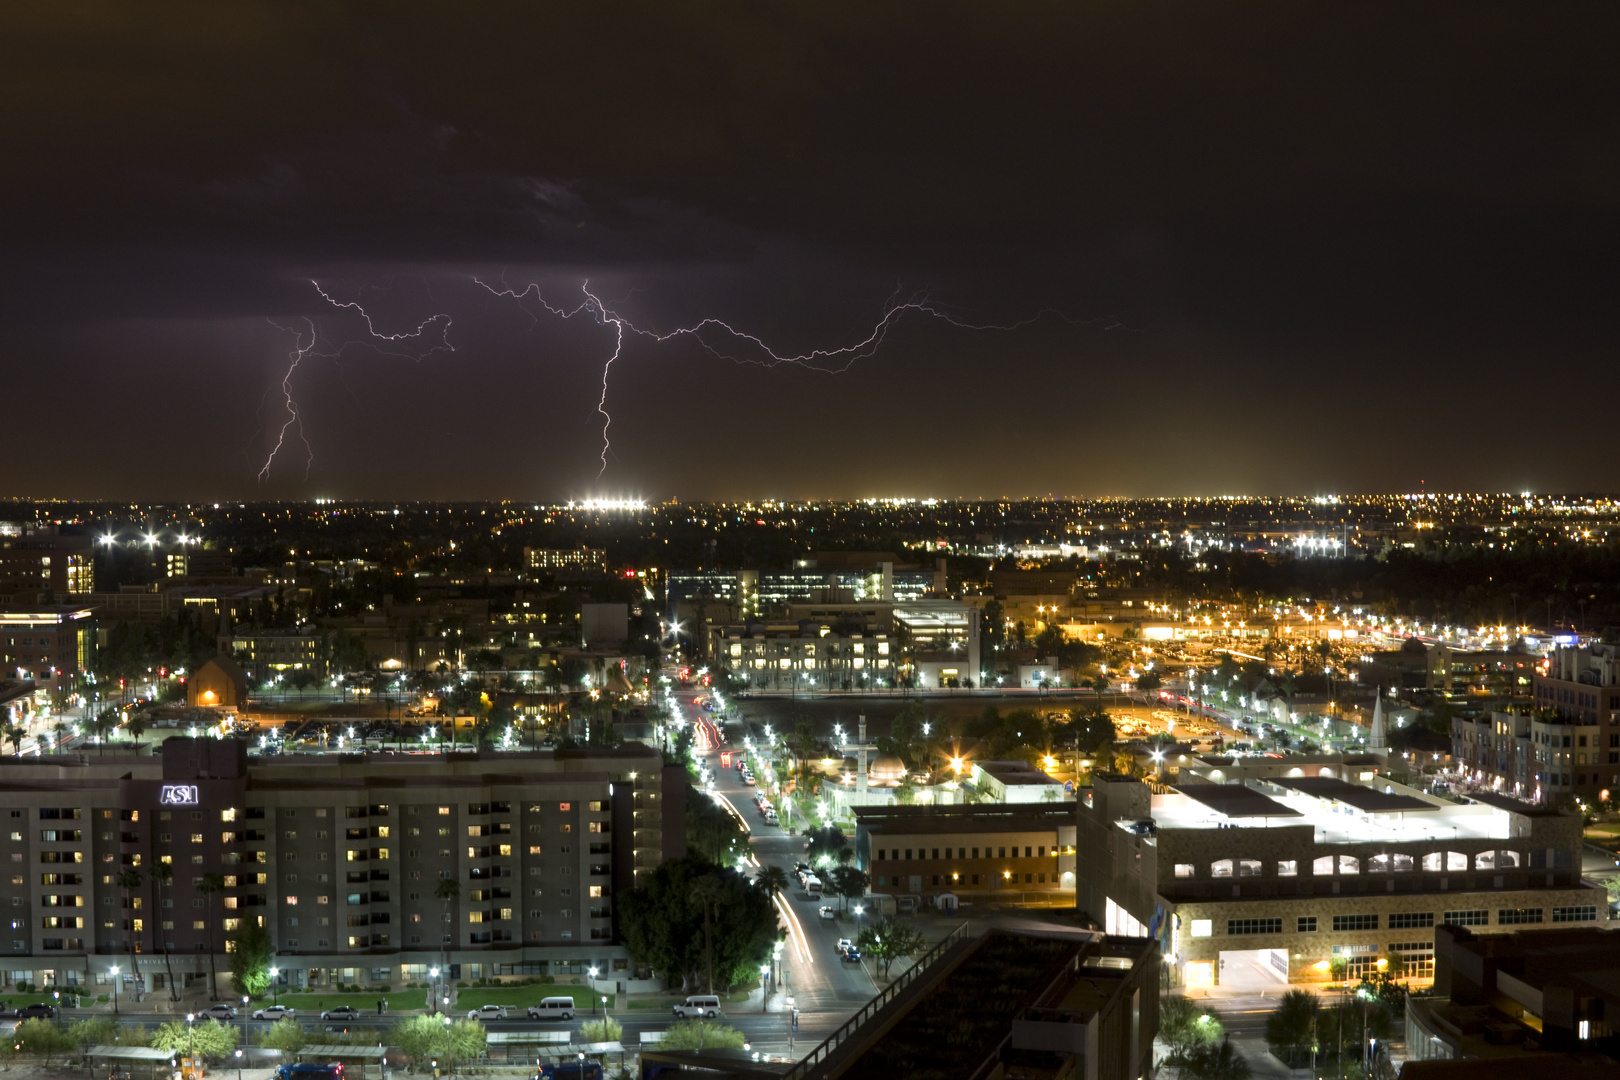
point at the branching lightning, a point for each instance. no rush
(432, 333)
(719, 338)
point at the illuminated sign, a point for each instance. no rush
(178, 795)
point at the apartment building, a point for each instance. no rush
(50, 645)
(1006, 854)
(338, 856)
(38, 563)
(786, 654)
(1259, 871)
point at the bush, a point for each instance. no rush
(42, 1037)
(701, 1034)
(604, 1030)
(209, 1039)
(284, 1035)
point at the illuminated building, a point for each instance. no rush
(337, 856)
(53, 646)
(39, 562)
(1257, 871)
(565, 558)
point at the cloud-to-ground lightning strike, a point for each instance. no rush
(832, 361)
(379, 342)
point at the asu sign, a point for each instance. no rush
(178, 795)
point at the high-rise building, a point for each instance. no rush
(339, 857)
(39, 563)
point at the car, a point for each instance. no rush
(852, 955)
(488, 1012)
(749, 780)
(342, 1012)
(275, 1012)
(218, 1012)
(698, 1005)
(827, 911)
(553, 1008)
(40, 1011)
(844, 943)
(801, 868)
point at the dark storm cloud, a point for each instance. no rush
(1387, 222)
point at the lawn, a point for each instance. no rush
(12, 1001)
(310, 1006)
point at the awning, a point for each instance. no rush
(130, 1053)
(338, 1050)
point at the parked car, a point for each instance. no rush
(488, 1012)
(553, 1008)
(309, 1070)
(844, 943)
(219, 1012)
(342, 1012)
(41, 1011)
(275, 1012)
(749, 781)
(852, 955)
(698, 1005)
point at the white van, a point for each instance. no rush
(553, 1008)
(812, 885)
(698, 1005)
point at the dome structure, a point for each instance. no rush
(886, 770)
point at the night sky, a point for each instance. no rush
(1283, 247)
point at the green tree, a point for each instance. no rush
(287, 1035)
(1183, 1026)
(205, 1038)
(210, 886)
(604, 1030)
(103, 1031)
(849, 883)
(251, 954)
(701, 1035)
(1149, 681)
(464, 1040)
(15, 736)
(419, 1036)
(773, 879)
(42, 1037)
(711, 831)
(827, 846)
(1214, 1061)
(1291, 1027)
(664, 927)
(888, 940)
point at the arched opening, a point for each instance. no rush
(1220, 868)
(1349, 864)
(1456, 860)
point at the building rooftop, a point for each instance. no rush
(1236, 801)
(1365, 799)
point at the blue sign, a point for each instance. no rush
(1068, 786)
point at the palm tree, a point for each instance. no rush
(706, 891)
(137, 728)
(163, 878)
(15, 736)
(773, 879)
(210, 885)
(129, 881)
(447, 891)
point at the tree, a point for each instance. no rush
(664, 927)
(1291, 1027)
(42, 1037)
(251, 954)
(130, 882)
(210, 886)
(827, 845)
(15, 736)
(163, 878)
(1214, 1061)
(773, 879)
(705, 892)
(426, 1038)
(1149, 681)
(1183, 1026)
(206, 1038)
(849, 883)
(99, 1031)
(701, 1035)
(604, 1030)
(888, 940)
(287, 1035)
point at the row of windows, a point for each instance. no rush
(1404, 920)
(1037, 851)
(1376, 864)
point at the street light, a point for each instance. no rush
(239, 1065)
(113, 971)
(275, 986)
(593, 984)
(764, 987)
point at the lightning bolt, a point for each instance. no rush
(390, 345)
(725, 342)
